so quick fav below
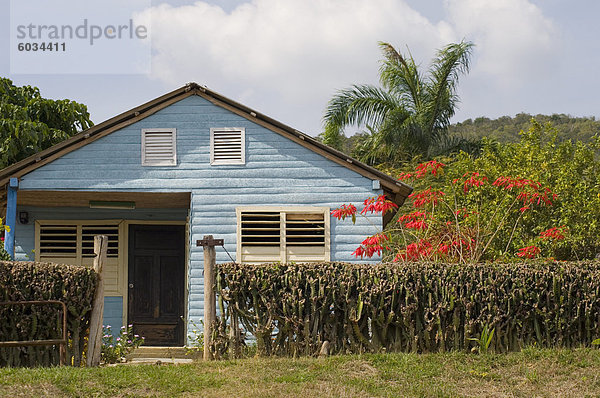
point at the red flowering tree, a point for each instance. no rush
(514, 201)
(465, 222)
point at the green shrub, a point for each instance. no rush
(20, 281)
(560, 189)
(424, 307)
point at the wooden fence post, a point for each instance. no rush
(210, 303)
(96, 333)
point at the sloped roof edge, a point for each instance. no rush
(131, 116)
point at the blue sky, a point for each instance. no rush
(286, 58)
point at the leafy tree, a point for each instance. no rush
(409, 115)
(30, 123)
(538, 197)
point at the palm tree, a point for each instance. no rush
(409, 115)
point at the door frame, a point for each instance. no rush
(186, 272)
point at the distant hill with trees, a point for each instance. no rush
(506, 129)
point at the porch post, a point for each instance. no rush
(11, 216)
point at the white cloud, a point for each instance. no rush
(515, 41)
(287, 57)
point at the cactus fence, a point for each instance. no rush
(423, 307)
(28, 281)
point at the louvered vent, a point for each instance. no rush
(58, 241)
(87, 239)
(227, 146)
(260, 229)
(305, 229)
(159, 147)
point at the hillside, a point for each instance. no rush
(506, 128)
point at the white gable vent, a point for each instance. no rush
(159, 147)
(227, 146)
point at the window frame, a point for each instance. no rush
(173, 161)
(284, 254)
(218, 162)
(114, 264)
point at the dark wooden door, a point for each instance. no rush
(157, 283)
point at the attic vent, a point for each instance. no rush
(227, 146)
(159, 147)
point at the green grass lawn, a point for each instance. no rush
(530, 373)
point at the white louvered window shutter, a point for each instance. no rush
(57, 241)
(227, 146)
(268, 233)
(159, 147)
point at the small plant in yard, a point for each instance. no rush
(3, 253)
(196, 339)
(114, 349)
(484, 340)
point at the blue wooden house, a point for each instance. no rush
(157, 178)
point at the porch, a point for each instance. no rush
(146, 272)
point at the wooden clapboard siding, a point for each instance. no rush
(278, 171)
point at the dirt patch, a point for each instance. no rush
(540, 379)
(26, 390)
(358, 368)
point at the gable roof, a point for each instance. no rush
(396, 190)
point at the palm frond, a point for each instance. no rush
(449, 63)
(400, 75)
(372, 149)
(409, 116)
(359, 105)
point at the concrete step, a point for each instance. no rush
(156, 353)
(159, 361)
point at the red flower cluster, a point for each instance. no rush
(556, 233)
(473, 181)
(416, 251)
(415, 215)
(344, 211)
(455, 246)
(378, 205)
(424, 197)
(371, 245)
(509, 183)
(414, 220)
(464, 212)
(529, 252)
(432, 165)
(531, 193)
(404, 176)
(537, 197)
(422, 169)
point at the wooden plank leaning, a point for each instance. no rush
(95, 338)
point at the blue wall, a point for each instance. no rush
(277, 172)
(113, 314)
